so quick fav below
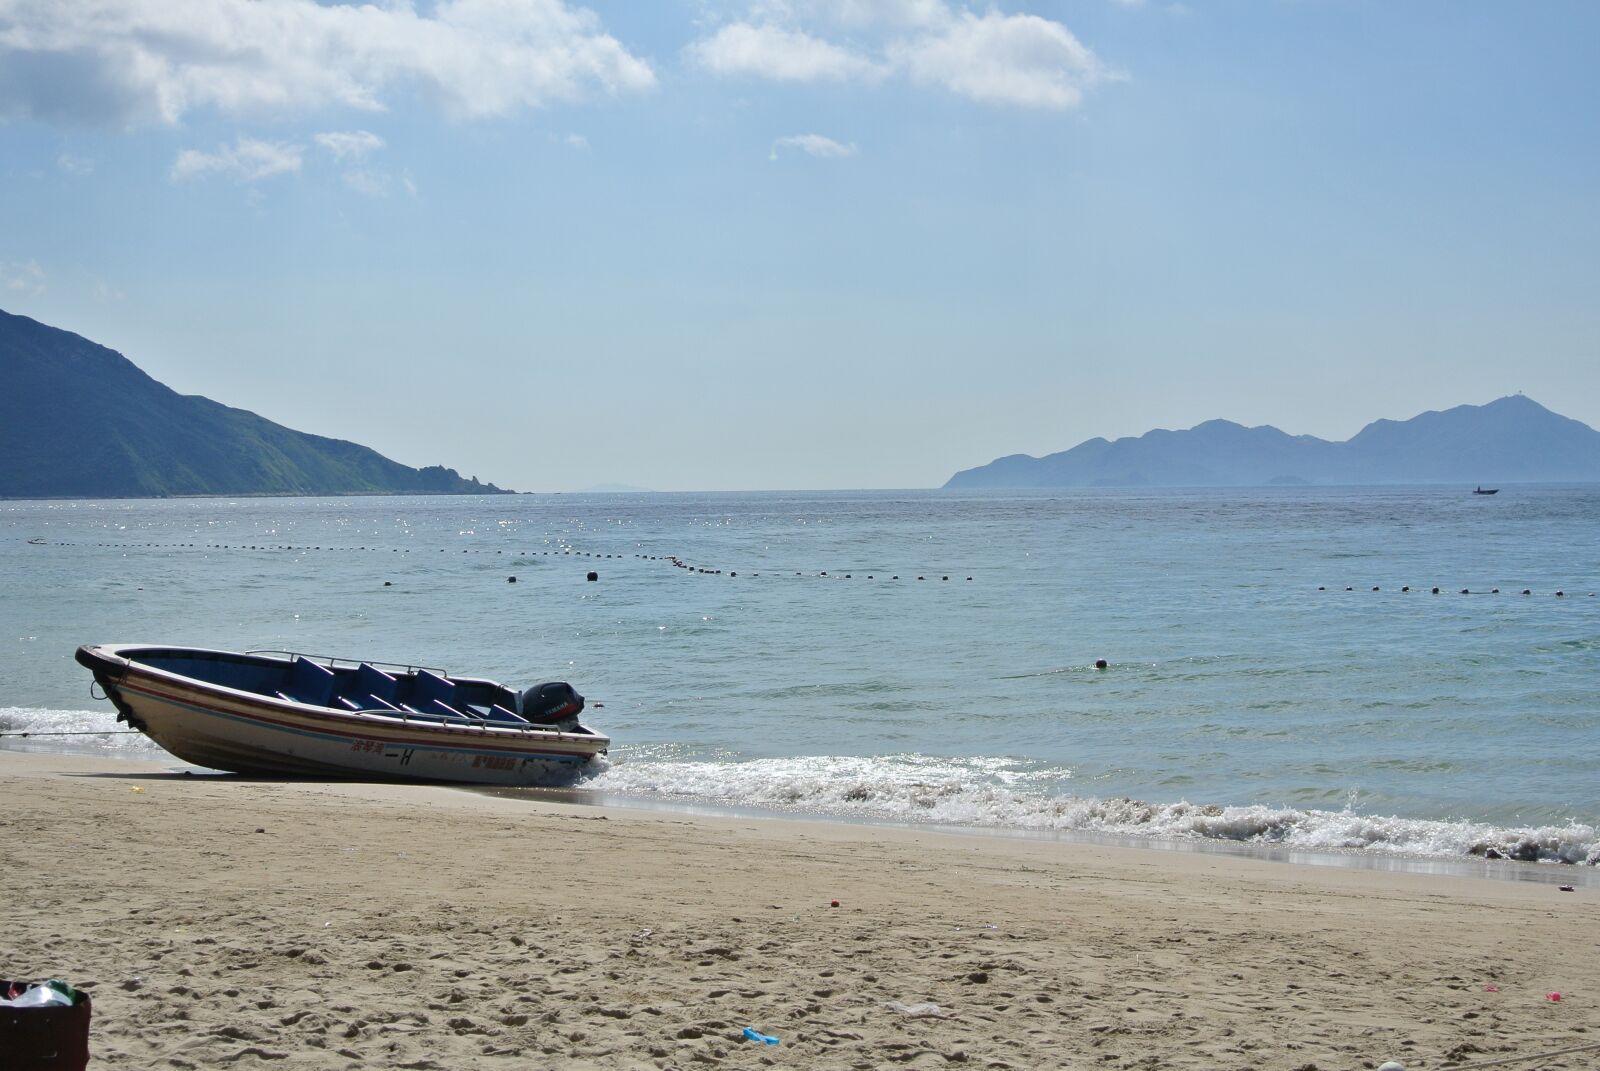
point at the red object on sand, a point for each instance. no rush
(1491, 988)
(834, 903)
(1553, 998)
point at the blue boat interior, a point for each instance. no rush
(411, 694)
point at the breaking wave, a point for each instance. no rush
(78, 731)
(995, 794)
(987, 793)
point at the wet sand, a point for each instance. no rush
(225, 922)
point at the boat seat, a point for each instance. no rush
(496, 712)
(431, 693)
(367, 689)
(365, 702)
(428, 686)
(309, 683)
(377, 684)
(437, 712)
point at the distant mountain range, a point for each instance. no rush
(1512, 440)
(78, 420)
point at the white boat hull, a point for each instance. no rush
(226, 729)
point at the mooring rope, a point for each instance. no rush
(86, 732)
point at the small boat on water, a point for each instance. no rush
(277, 712)
(1481, 490)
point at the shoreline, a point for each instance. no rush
(315, 924)
(1549, 872)
(1472, 867)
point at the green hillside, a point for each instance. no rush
(78, 420)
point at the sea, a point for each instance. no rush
(1395, 674)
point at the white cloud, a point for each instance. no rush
(768, 51)
(1021, 60)
(25, 278)
(858, 13)
(576, 141)
(1017, 60)
(349, 146)
(138, 61)
(75, 165)
(246, 160)
(351, 149)
(366, 181)
(814, 145)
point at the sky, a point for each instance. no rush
(774, 244)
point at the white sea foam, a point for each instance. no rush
(92, 730)
(995, 794)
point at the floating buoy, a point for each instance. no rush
(1406, 588)
(388, 583)
(1561, 594)
(511, 580)
(1527, 591)
(592, 576)
(1436, 591)
(1100, 663)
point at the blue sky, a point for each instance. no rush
(814, 243)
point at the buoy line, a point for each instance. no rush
(680, 563)
(560, 551)
(671, 559)
(1406, 589)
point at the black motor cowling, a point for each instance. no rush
(547, 704)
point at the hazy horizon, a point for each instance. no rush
(809, 244)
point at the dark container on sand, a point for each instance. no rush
(45, 1038)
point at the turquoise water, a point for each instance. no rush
(1248, 695)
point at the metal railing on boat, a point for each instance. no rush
(332, 661)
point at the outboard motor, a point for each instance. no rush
(556, 704)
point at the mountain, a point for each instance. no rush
(1512, 440)
(78, 420)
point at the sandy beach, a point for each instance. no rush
(223, 922)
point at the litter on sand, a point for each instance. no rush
(915, 1011)
(752, 1034)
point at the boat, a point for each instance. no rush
(1481, 490)
(283, 713)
